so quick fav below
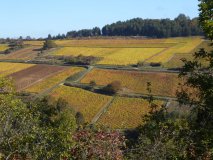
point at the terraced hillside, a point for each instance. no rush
(128, 51)
(9, 68)
(86, 102)
(164, 84)
(126, 113)
(34, 74)
(27, 53)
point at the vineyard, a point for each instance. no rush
(183, 46)
(9, 68)
(115, 42)
(118, 62)
(86, 102)
(3, 47)
(114, 56)
(27, 77)
(164, 84)
(128, 51)
(27, 53)
(34, 43)
(53, 80)
(126, 113)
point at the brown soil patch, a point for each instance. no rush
(23, 54)
(32, 75)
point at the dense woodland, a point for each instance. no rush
(182, 26)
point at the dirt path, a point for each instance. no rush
(49, 90)
(102, 111)
(145, 96)
(84, 74)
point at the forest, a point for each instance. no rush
(181, 26)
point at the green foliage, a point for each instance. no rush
(18, 126)
(161, 137)
(79, 119)
(179, 27)
(112, 88)
(84, 33)
(41, 129)
(81, 60)
(205, 17)
(162, 134)
(56, 125)
(197, 92)
(48, 44)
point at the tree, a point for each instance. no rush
(38, 130)
(197, 92)
(79, 119)
(56, 126)
(205, 17)
(49, 37)
(162, 134)
(48, 44)
(112, 88)
(17, 124)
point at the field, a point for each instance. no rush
(9, 68)
(86, 102)
(34, 43)
(116, 42)
(184, 45)
(3, 47)
(34, 74)
(128, 51)
(53, 80)
(164, 84)
(113, 56)
(175, 61)
(27, 53)
(125, 113)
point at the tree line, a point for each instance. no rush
(181, 26)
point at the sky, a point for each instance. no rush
(38, 18)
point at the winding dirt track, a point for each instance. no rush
(32, 75)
